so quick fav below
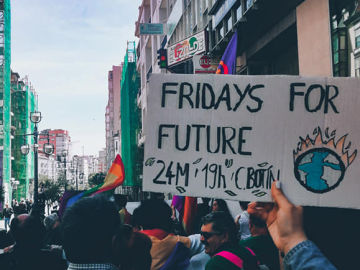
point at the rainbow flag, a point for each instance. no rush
(114, 178)
(188, 206)
(190, 209)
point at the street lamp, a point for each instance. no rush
(64, 154)
(25, 149)
(35, 117)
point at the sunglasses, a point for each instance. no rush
(207, 235)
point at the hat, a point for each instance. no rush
(50, 220)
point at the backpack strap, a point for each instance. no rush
(253, 253)
(231, 257)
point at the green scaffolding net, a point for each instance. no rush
(5, 98)
(131, 154)
(23, 101)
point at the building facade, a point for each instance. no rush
(5, 103)
(101, 161)
(48, 167)
(132, 155)
(300, 37)
(59, 138)
(289, 37)
(113, 115)
(23, 102)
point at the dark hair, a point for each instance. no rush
(140, 246)
(27, 230)
(244, 205)
(120, 200)
(88, 228)
(257, 221)
(153, 214)
(222, 223)
(129, 246)
(206, 200)
(5, 239)
(222, 206)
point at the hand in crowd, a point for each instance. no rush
(284, 220)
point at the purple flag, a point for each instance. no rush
(228, 60)
(178, 203)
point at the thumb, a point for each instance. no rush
(279, 196)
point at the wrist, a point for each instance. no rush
(291, 243)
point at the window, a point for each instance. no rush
(220, 32)
(357, 38)
(357, 66)
(248, 3)
(239, 12)
(340, 53)
(229, 24)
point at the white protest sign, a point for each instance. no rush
(230, 137)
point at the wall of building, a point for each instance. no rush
(314, 38)
(113, 114)
(5, 101)
(20, 168)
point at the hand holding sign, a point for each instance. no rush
(284, 220)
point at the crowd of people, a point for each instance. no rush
(99, 233)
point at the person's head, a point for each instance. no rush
(6, 205)
(129, 246)
(88, 228)
(51, 221)
(27, 231)
(120, 200)
(243, 205)
(153, 214)
(205, 200)
(257, 226)
(157, 195)
(218, 228)
(5, 239)
(220, 205)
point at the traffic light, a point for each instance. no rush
(162, 58)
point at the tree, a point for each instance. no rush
(96, 179)
(52, 192)
(61, 180)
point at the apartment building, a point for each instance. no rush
(113, 115)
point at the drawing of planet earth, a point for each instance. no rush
(319, 170)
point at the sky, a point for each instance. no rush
(66, 49)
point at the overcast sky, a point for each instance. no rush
(67, 47)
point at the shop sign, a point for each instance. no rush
(205, 64)
(151, 29)
(186, 48)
